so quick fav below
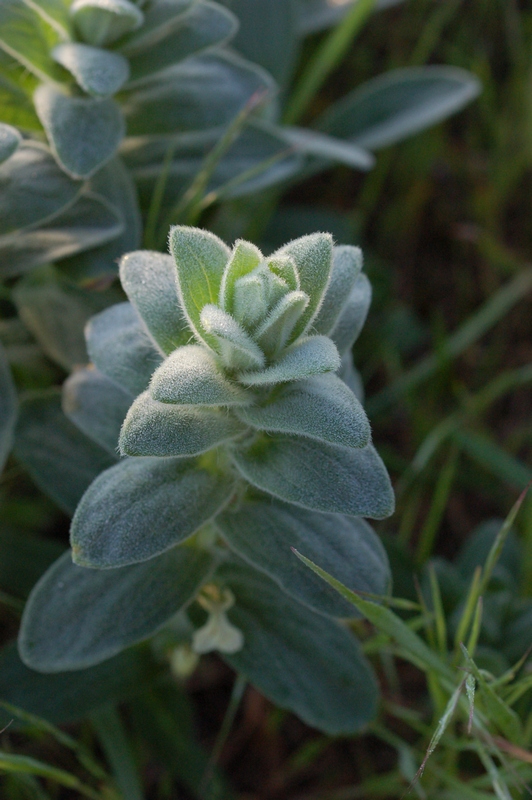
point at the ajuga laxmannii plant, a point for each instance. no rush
(224, 383)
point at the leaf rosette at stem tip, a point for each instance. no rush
(225, 380)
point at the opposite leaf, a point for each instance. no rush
(319, 476)
(142, 507)
(322, 407)
(345, 546)
(297, 658)
(77, 617)
(192, 376)
(305, 358)
(96, 71)
(165, 429)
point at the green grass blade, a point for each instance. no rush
(115, 745)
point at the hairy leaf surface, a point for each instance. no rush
(319, 476)
(77, 617)
(143, 506)
(262, 532)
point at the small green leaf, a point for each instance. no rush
(163, 429)
(102, 22)
(8, 408)
(262, 532)
(322, 407)
(10, 139)
(237, 349)
(32, 188)
(200, 258)
(61, 460)
(353, 315)
(97, 406)
(346, 267)
(313, 258)
(90, 221)
(159, 20)
(298, 659)
(70, 619)
(274, 333)
(192, 376)
(98, 72)
(143, 506)
(149, 280)
(398, 104)
(305, 358)
(243, 260)
(319, 476)
(84, 133)
(120, 347)
(205, 25)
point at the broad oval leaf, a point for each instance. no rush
(120, 347)
(319, 476)
(200, 259)
(163, 429)
(8, 408)
(192, 376)
(313, 258)
(353, 316)
(102, 22)
(319, 145)
(299, 659)
(195, 95)
(88, 222)
(84, 133)
(400, 103)
(10, 139)
(70, 619)
(32, 188)
(305, 358)
(143, 506)
(262, 532)
(322, 407)
(346, 267)
(59, 457)
(205, 25)
(98, 72)
(97, 406)
(159, 20)
(149, 280)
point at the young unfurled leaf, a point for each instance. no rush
(70, 620)
(191, 375)
(346, 267)
(313, 258)
(244, 258)
(149, 280)
(98, 72)
(97, 406)
(165, 429)
(345, 546)
(274, 333)
(142, 507)
(102, 22)
(322, 407)
(237, 349)
(120, 347)
(200, 258)
(84, 133)
(319, 476)
(305, 358)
